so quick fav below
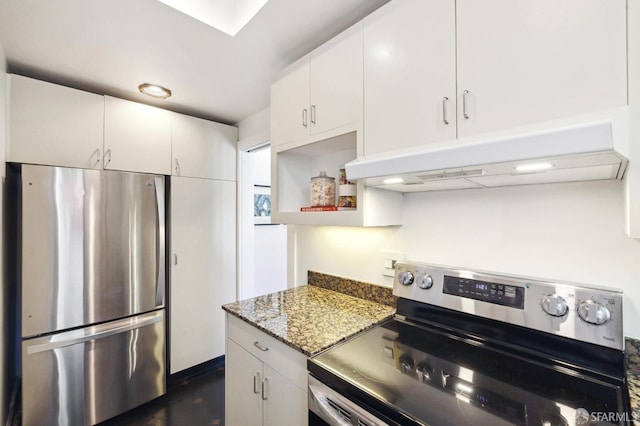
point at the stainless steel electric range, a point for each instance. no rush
(472, 348)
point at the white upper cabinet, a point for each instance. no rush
(529, 61)
(335, 82)
(409, 75)
(320, 92)
(290, 105)
(137, 137)
(54, 125)
(203, 149)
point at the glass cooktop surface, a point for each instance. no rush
(439, 378)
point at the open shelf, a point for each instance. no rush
(292, 170)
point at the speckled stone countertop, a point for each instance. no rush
(309, 318)
(632, 354)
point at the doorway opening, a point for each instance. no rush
(264, 245)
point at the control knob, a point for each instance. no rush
(426, 282)
(405, 278)
(593, 312)
(554, 305)
(406, 364)
(424, 372)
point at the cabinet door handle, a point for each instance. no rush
(444, 111)
(256, 383)
(265, 389)
(98, 156)
(313, 115)
(259, 346)
(465, 112)
(304, 117)
(177, 168)
(107, 156)
(175, 258)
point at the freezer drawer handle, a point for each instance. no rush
(259, 346)
(110, 332)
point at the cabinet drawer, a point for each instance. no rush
(282, 358)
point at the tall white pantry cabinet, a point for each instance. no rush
(55, 125)
(203, 239)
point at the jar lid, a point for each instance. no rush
(323, 175)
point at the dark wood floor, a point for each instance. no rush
(194, 402)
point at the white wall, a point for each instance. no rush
(3, 326)
(572, 232)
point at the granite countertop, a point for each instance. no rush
(309, 318)
(632, 354)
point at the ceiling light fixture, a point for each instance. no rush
(154, 90)
(534, 167)
(392, 181)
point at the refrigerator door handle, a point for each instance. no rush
(120, 327)
(160, 249)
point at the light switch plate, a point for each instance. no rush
(389, 259)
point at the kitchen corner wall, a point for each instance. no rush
(571, 232)
(3, 287)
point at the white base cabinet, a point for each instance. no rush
(203, 268)
(265, 380)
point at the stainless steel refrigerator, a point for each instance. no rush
(91, 278)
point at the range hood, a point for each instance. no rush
(593, 150)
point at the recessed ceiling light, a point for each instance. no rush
(154, 90)
(534, 167)
(391, 181)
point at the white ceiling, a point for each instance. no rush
(111, 46)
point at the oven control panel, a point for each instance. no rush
(500, 294)
(587, 313)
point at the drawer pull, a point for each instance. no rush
(259, 346)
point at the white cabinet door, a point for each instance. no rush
(320, 92)
(203, 268)
(409, 75)
(284, 403)
(54, 125)
(290, 105)
(137, 137)
(535, 60)
(243, 377)
(335, 81)
(203, 149)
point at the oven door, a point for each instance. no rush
(328, 407)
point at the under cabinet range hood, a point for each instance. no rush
(595, 150)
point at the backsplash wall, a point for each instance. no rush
(571, 232)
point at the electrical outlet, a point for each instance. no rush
(389, 259)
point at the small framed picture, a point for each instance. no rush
(261, 205)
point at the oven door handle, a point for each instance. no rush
(334, 409)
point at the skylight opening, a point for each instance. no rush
(228, 16)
